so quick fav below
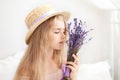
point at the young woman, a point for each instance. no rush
(46, 52)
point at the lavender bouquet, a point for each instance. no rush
(77, 37)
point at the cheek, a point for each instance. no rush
(53, 42)
(54, 38)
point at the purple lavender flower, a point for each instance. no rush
(77, 37)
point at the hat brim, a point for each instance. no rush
(66, 15)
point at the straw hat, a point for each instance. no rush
(40, 14)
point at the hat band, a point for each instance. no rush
(43, 16)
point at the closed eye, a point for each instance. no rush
(56, 32)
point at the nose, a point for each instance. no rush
(63, 35)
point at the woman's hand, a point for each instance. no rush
(74, 66)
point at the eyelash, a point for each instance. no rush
(59, 32)
(56, 32)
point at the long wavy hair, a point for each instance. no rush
(32, 65)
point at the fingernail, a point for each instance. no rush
(73, 55)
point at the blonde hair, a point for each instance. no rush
(33, 62)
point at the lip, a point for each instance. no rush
(61, 42)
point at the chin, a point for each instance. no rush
(59, 48)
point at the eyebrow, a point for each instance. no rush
(59, 28)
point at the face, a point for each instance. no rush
(57, 35)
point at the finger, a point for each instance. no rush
(73, 67)
(76, 57)
(70, 67)
(72, 64)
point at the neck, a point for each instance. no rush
(50, 54)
